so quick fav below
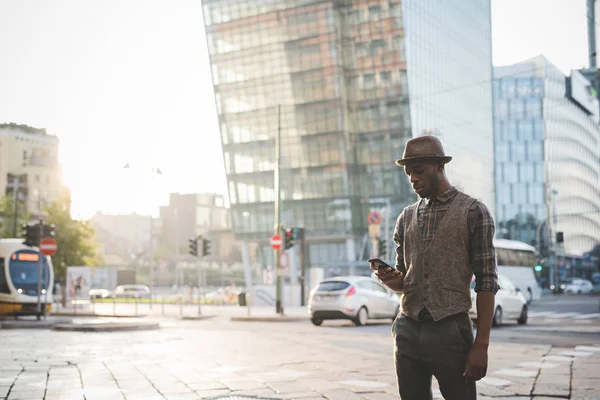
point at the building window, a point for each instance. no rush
(368, 81)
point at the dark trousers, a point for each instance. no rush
(424, 348)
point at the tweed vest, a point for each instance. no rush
(438, 273)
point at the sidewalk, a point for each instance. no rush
(217, 358)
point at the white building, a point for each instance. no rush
(547, 142)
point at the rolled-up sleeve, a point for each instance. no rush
(399, 240)
(482, 253)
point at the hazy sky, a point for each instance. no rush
(129, 82)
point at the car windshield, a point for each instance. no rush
(329, 286)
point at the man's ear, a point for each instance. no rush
(441, 167)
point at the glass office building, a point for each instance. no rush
(354, 80)
(547, 158)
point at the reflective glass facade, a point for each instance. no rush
(339, 71)
(547, 159)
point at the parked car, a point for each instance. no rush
(356, 298)
(100, 294)
(137, 291)
(509, 303)
(579, 286)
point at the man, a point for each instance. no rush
(442, 240)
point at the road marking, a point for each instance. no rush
(565, 315)
(516, 372)
(588, 316)
(539, 314)
(553, 316)
(587, 348)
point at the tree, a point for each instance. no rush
(7, 213)
(75, 239)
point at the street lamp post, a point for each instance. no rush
(154, 172)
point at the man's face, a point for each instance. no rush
(424, 177)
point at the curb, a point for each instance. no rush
(105, 327)
(88, 314)
(28, 325)
(269, 319)
(197, 318)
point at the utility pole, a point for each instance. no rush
(40, 269)
(278, 230)
(302, 266)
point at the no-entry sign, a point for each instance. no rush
(276, 242)
(48, 246)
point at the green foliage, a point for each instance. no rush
(7, 213)
(75, 239)
(24, 128)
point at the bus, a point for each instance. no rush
(517, 261)
(19, 276)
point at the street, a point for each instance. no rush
(217, 357)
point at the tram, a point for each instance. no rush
(19, 273)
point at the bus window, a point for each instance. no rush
(23, 267)
(3, 283)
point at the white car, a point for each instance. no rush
(579, 286)
(509, 303)
(136, 291)
(357, 298)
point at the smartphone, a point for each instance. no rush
(379, 263)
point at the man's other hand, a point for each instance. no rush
(390, 277)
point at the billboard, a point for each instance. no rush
(79, 283)
(583, 93)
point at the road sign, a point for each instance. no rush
(48, 246)
(374, 231)
(374, 218)
(276, 242)
(283, 260)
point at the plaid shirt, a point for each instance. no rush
(482, 253)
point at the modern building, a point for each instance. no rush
(547, 142)
(29, 167)
(354, 80)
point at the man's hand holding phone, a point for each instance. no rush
(387, 274)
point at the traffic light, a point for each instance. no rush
(382, 248)
(560, 237)
(538, 268)
(193, 246)
(205, 247)
(289, 239)
(31, 234)
(49, 230)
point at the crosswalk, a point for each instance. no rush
(565, 315)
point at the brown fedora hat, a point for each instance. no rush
(423, 147)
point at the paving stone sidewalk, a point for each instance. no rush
(212, 359)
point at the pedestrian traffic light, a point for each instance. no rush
(538, 268)
(382, 247)
(289, 240)
(31, 234)
(193, 246)
(205, 247)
